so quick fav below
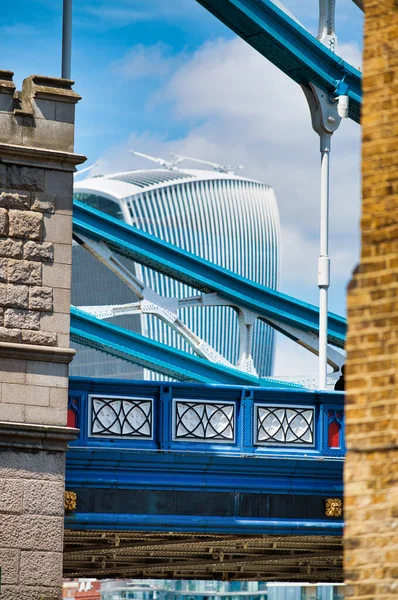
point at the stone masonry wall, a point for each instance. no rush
(371, 473)
(36, 180)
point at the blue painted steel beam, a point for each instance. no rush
(126, 522)
(202, 274)
(133, 347)
(290, 47)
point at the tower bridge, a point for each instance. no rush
(236, 476)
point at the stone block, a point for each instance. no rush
(57, 275)
(63, 253)
(9, 560)
(11, 131)
(64, 205)
(17, 393)
(40, 298)
(14, 295)
(20, 201)
(56, 322)
(37, 567)
(3, 221)
(43, 202)
(3, 176)
(59, 183)
(10, 248)
(10, 335)
(47, 374)
(44, 109)
(11, 497)
(20, 318)
(43, 497)
(39, 338)
(58, 135)
(14, 413)
(43, 251)
(29, 532)
(61, 299)
(24, 272)
(58, 398)
(28, 592)
(25, 178)
(27, 225)
(58, 228)
(1, 316)
(46, 466)
(12, 370)
(42, 415)
(65, 112)
(63, 340)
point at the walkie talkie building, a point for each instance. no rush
(227, 219)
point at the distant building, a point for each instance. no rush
(227, 219)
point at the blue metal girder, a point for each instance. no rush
(202, 274)
(290, 47)
(133, 347)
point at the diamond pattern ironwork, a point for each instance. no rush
(204, 421)
(284, 425)
(121, 417)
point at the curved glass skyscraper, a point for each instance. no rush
(230, 220)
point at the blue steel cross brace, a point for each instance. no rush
(284, 42)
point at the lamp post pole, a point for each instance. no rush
(325, 120)
(66, 39)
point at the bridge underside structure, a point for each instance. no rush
(168, 555)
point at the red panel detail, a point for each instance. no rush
(334, 435)
(71, 418)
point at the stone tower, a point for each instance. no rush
(36, 178)
(371, 474)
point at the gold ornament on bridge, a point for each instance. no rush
(333, 507)
(70, 501)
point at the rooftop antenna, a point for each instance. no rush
(229, 169)
(77, 173)
(168, 164)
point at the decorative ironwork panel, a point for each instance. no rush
(204, 421)
(121, 417)
(283, 425)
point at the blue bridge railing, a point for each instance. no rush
(206, 418)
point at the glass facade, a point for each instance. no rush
(229, 220)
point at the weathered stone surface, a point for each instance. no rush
(58, 398)
(25, 224)
(43, 251)
(16, 200)
(14, 295)
(57, 275)
(48, 466)
(3, 221)
(10, 248)
(40, 338)
(54, 375)
(1, 316)
(9, 560)
(43, 202)
(3, 269)
(21, 319)
(3, 176)
(41, 298)
(11, 497)
(43, 497)
(31, 531)
(18, 393)
(23, 271)
(28, 592)
(45, 416)
(25, 178)
(59, 183)
(9, 335)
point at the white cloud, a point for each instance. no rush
(239, 109)
(146, 61)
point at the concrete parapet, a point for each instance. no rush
(36, 181)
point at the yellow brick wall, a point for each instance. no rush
(371, 473)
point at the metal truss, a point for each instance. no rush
(102, 236)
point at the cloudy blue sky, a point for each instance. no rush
(165, 76)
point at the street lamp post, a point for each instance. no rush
(66, 39)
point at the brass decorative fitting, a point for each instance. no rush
(70, 501)
(333, 507)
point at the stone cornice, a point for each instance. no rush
(33, 352)
(26, 436)
(38, 157)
